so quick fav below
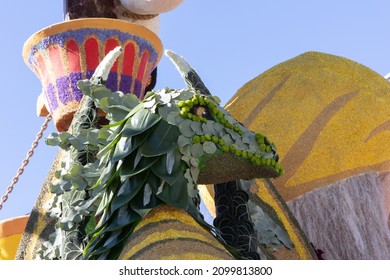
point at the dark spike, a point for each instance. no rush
(191, 78)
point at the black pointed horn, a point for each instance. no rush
(189, 75)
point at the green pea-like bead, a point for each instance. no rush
(244, 154)
(195, 100)
(263, 147)
(207, 137)
(214, 139)
(232, 148)
(268, 162)
(257, 162)
(263, 161)
(221, 142)
(180, 104)
(189, 103)
(250, 155)
(225, 148)
(202, 139)
(196, 139)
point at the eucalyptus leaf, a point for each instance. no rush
(194, 173)
(218, 128)
(206, 129)
(183, 141)
(163, 111)
(209, 147)
(185, 128)
(172, 117)
(211, 128)
(227, 139)
(197, 128)
(197, 150)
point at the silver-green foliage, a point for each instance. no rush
(149, 154)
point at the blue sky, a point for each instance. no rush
(227, 43)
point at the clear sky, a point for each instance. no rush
(227, 42)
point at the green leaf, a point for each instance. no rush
(168, 167)
(162, 140)
(53, 139)
(126, 145)
(137, 204)
(163, 111)
(149, 94)
(129, 169)
(121, 218)
(107, 197)
(122, 148)
(128, 190)
(139, 122)
(175, 195)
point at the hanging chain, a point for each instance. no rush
(30, 153)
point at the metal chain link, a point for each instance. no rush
(30, 153)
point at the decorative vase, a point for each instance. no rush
(11, 231)
(62, 54)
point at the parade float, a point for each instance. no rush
(127, 182)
